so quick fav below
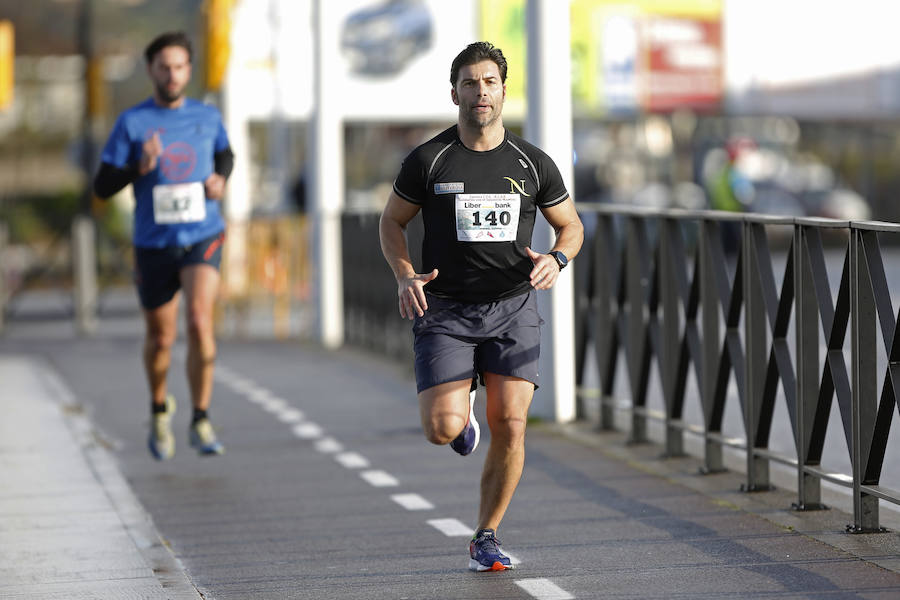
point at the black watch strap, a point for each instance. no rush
(561, 258)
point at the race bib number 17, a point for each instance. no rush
(179, 203)
(487, 217)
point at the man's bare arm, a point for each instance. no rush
(391, 229)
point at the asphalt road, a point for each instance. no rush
(329, 490)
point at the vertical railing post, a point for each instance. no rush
(669, 354)
(864, 377)
(636, 293)
(755, 341)
(806, 319)
(709, 234)
(606, 267)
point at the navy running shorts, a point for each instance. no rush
(157, 269)
(455, 340)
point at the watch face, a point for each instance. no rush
(560, 258)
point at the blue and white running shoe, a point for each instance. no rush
(203, 439)
(161, 441)
(466, 442)
(485, 553)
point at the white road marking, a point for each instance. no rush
(541, 589)
(352, 460)
(544, 589)
(307, 431)
(329, 445)
(256, 392)
(241, 384)
(452, 527)
(412, 502)
(290, 415)
(379, 478)
(274, 405)
(258, 396)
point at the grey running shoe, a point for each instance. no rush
(161, 441)
(203, 438)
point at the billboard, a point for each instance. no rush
(393, 57)
(627, 56)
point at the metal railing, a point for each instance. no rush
(697, 292)
(660, 285)
(371, 317)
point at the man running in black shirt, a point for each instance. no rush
(478, 187)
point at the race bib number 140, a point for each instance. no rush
(487, 217)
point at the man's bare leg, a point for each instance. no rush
(160, 330)
(508, 399)
(444, 409)
(200, 284)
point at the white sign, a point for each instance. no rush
(393, 57)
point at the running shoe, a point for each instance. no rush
(161, 441)
(485, 553)
(466, 442)
(203, 438)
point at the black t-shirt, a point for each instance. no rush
(478, 209)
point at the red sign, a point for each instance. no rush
(683, 64)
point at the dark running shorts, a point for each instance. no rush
(157, 269)
(455, 341)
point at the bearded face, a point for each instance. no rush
(480, 94)
(170, 72)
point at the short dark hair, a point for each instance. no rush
(170, 38)
(475, 53)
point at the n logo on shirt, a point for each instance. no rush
(517, 186)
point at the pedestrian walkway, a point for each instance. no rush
(70, 526)
(294, 509)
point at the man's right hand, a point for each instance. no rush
(151, 152)
(412, 294)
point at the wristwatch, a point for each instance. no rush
(561, 259)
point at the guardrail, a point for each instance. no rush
(697, 291)
(658, 285)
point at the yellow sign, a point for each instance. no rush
(218, 40)
(503, 24)
(7, 63)
(599, 29)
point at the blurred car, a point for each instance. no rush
(383, 39)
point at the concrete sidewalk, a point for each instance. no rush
(70, 526)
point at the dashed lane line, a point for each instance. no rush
(290, 415)
(544, 589)
(307, 430)
(539, 588)
(451, 527)
(379, 478)
(274, 405)
(412, 502)
(328, 445)
(352, 460)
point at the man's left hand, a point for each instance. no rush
(545, 270)
(214, 186)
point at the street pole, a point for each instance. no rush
(326, 160)
(84, 252)
(549, 126)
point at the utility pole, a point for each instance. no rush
(84, 253)
(327, 177)
(548, 125)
